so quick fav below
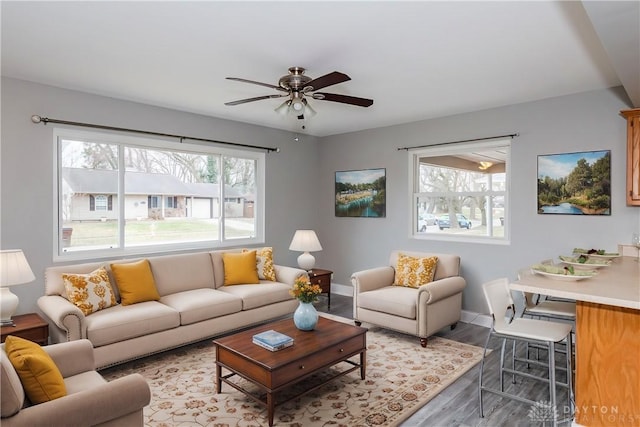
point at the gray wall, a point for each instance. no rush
(26, 168)
(300, 179)
(582, 122)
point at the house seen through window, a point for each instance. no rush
(460, 191)
(131, 195)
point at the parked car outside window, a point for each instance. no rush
(463, 222)
(425, 220)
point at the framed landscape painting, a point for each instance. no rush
(361, 193)
(575, 183)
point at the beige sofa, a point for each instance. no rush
(418, 311)
(194, 304)
(90, 399)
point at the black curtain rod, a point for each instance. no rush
(45, 120)
(512, 135)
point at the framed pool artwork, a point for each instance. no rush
(361, 193)
(575, 183)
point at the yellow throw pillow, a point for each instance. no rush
(39, 375)
(413, 272)
(89, 292)
(135, 282)
(264, 263)
(240, 268)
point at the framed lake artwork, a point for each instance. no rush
(361, 193)
(575, 183)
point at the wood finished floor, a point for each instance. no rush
(458, 404)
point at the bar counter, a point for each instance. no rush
(607, 340)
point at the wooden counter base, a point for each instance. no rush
(608, 365)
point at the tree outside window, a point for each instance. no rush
(460, 191)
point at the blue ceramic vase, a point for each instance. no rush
(305, 317)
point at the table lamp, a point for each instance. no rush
(14, 270)
(305, 241)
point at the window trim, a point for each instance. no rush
(148, 143)
(453, 148)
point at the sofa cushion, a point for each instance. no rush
(448, 264)
(39, 375)
(83, 381)
(11, 391)
(53, 283)
(182, 272)
(240, 268)
(413, 272)
(202, 304)
(90, 292)
(394, 300)
(264, 263)
(218, 265)
(123, 322)
(254, 296)
(135, 282)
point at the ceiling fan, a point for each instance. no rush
(297, 88)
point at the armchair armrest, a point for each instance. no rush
(73, 357)
(374, 278)
(288, 275)
(97, 405)
(440, 289)
(64, 315)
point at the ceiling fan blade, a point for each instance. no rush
(237, 79)
(257, 98)
(326, 80)
(345, 99)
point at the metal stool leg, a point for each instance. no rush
(504, 343)
(484, 355)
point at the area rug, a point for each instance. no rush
(401, 377)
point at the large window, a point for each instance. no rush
(460, 191)
(124, 195)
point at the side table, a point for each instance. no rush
(322, 278)
(28, 326)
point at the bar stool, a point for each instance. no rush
(535, 331)
(546, 309)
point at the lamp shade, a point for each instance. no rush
(283, 109)
(308, 111)
(14, 268)
(305, 241)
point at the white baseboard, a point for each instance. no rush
(466, 316)
(346, 290)
(476, 318)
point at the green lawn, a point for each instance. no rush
(161, 231)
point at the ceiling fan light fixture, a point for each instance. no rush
(485, 165)
(308, 111)
(283, 109)
(297, 105)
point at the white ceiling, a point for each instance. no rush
(417, 60)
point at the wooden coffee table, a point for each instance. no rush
(329, 344)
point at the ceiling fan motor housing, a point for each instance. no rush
(295, 80)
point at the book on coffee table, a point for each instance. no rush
(272, 340)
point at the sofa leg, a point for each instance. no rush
(357, 322)
(454, 326)
(423, 342)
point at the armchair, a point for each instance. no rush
(420, 311)
(90, 399)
